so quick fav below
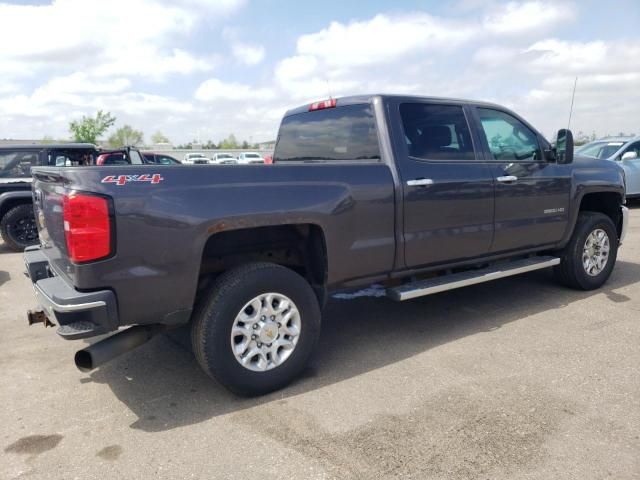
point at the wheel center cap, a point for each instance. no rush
(269, 332)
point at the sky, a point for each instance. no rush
(203, 69)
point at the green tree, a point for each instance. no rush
(47, 139)
(89, 129)
(159, 137)
(126, 136)
(245, 145)
(229, 143)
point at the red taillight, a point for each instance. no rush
(87, 227)
(331, 103)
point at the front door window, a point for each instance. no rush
(508, 138)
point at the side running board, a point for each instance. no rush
(470, 277)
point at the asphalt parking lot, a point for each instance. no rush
(519, 378)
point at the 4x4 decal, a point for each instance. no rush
(124, 179)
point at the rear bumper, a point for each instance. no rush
(78, 314)
(625, 223)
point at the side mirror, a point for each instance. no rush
(629, 156)
(564, 146)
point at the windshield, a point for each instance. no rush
(224, 155)
(252, 155)
(599, 149)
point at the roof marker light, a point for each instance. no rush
(331, 103)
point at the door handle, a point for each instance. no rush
(507, 178)
(420, 182)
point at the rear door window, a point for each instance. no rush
(436, 132)
(17, 163)
(334, 134)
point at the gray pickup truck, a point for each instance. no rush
(420, 194)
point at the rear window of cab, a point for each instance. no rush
(346, 133)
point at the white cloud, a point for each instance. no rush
(217, 6)
(368, 55)
(147, 61)
(214, 89)
(113, 38)
(296, 67)
(495, 55)
(248, 54)
(381, 38)
(552, 54)
(80, 82)
(517, 17)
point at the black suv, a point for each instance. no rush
(17, 223)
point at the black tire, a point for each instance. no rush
(216, 312)
(18, 227)
(571, 271)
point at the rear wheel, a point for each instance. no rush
(18, 227)
(257, 327)
(589, 258)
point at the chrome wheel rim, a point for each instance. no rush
(265, 332)
(595, 253)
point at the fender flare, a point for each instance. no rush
(24, 196)
(577, 201)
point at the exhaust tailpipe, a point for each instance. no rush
(101, 352)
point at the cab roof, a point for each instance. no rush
(49, 146)
(360, 99)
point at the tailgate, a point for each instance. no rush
(48, 195)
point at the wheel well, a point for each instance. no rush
(12, 202)
(604, 202)
(300, 247)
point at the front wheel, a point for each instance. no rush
(256, 329)
(590, 255)
(18, 227)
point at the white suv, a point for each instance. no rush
(195, 159)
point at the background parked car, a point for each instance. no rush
(195, 159)
(625, 150)
(159, 159)
(224, 159)
(120, 156)
(113, 158)
(246, 158)
(17, 222)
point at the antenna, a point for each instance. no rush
(573, 95)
